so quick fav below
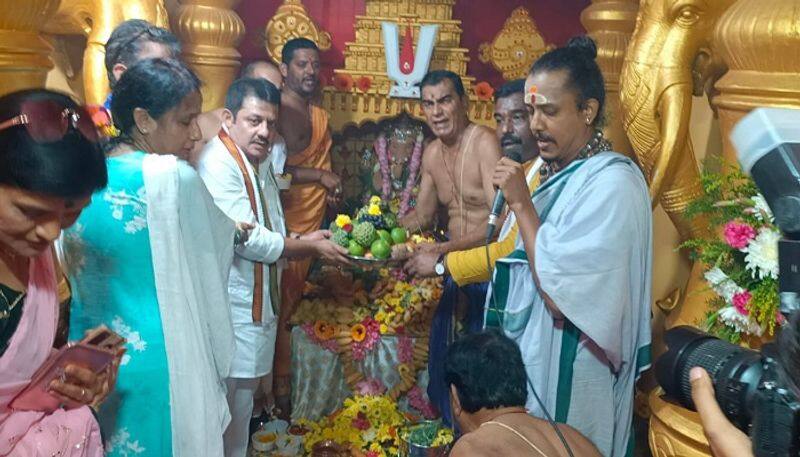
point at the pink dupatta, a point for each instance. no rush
(73, 433)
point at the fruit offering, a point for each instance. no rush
(371, 233)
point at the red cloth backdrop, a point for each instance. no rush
(557, 20)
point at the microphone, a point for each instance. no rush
(514, 152)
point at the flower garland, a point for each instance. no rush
(382, 151)
(411, 180)
(368, 424)
(740, 255)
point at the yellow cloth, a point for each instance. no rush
(469, 266)
(304, 204)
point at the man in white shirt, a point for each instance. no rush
(235, 168)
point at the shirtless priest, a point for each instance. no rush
(457, 170)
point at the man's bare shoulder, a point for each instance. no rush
(431, 150)
(472, 445)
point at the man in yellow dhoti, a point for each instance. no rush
(304, 127)
(469, 266)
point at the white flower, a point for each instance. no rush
(762, 254)
(722, 284)
(743, 324)
(761, 208)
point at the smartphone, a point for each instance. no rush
(95, 352)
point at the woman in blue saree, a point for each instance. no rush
(150, 256)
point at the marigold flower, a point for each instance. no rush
(342, 220)
(343, 82)
(374, 210)
(364, 83)
(358, 332)
(375, 200)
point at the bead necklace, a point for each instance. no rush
(596, 145)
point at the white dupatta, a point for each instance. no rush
(192, 246)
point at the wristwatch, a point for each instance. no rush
(439, 268)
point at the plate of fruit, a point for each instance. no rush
(369, 235)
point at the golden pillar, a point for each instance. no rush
(610, 23)
(758, 41)
(24, 54)
(210, 31)
(96, 19)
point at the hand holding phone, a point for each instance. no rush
(79, 374)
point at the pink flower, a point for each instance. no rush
(779, 317)
(361, 422)
(370, 386)
(738, 235)
(741, 300)
(418, 401)
(405, 350)
(372, 454)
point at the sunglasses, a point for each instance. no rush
(47, 121)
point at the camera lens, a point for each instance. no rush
(735, 371)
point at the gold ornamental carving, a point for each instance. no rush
(96, 19)
(675, 431)
(291, 20)
(24, 54)
(610, 23)
(514, 49)
(656, 96)
(210, 31)
(758, 41)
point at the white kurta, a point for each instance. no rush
(593, 259)
(255, 342)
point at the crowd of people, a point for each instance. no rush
(177, 235)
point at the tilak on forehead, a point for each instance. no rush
(533, 95)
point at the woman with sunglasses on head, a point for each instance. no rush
(150, 255)
(50, 164)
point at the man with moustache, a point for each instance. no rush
(235, 168)
(456, 178)
(304, 126)
(575, 293)
(210, 121)
(513, 127)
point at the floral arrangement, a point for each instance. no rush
(101, 118)
(367, 424)
(740, 257)
(384, 159)
(352, 326)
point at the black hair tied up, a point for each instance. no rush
(577, 58)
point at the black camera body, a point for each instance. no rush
(751, 388)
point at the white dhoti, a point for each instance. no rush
(593, 259)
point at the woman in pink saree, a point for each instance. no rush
(50, 164)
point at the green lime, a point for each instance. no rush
(355, 249)
(385, 236)
(399, 235)
(381, 249)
